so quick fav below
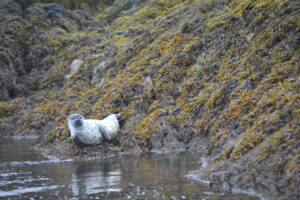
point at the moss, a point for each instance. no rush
(218, 19)
(242, 105)
(244, 145)
(148, 125)
(242, 6)
(53, 42)
(227, 152)
(213, 99)
(120, 40)
(84, 34)
(59, 30)
(272, 145)
(292, 166)
(9, 108)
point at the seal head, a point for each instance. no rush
(76, 120)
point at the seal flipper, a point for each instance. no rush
(78, 142)
(104, 132)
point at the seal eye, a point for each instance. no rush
(72, 118)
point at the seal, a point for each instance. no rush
(85, 132)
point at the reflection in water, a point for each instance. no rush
(27, 174)
(86, 180)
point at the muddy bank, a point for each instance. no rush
(218, 77)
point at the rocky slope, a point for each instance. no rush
(220, 77)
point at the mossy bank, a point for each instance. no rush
(221, 77)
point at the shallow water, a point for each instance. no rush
(28, 174)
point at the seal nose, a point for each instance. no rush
(77, 123)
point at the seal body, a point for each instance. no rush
(86, 132)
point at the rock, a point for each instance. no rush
(19, 31)
(9, 7)
(24, 3)
(98, 74)
(75, 65)
(148, 83)
(74, 68)
(142, 108)
(119, 7)
(52, 6)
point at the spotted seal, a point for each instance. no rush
(85, 132)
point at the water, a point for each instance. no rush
(28, 174)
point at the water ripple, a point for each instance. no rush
(18, 163)
(20, 191)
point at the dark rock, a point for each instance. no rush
(9, 7)
(53, 7)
